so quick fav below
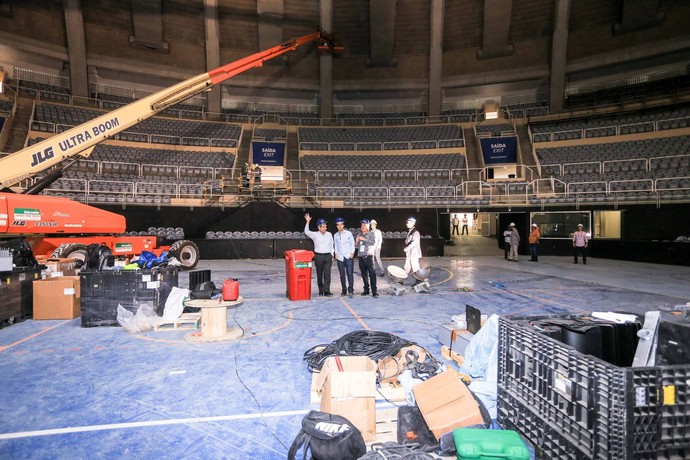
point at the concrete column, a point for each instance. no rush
(559, 51)
(326, 62)
(436, 59)
(215, 96)
(76, 48)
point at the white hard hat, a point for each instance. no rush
(512, 224)
(534, 225)
(411, 219)
(373, 222)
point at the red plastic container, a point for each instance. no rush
(298, 263)
(231, 289)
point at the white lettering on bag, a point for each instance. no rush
(327, 427)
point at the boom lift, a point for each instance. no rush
(63, 228)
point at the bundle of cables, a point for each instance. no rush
(374, 344)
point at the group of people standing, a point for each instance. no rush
(251, 175)
(343, 247)
(456, 223)
(511, 240)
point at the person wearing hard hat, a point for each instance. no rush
(365, 242)
(378, 236)
(533, 240)
(514, 243)
(345, 255)
(580, 241)
(413, 248)
(323, 254)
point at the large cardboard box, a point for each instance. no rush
(446, 403)
(348, 388)
(57, 298)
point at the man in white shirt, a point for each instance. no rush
(413, 248)
(378, 237)
(580, 241)
(456, 222)
(323, 254)
(465, 228)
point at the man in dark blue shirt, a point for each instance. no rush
(365, 243)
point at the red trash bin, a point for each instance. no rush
(298, 263)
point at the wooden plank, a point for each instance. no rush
(186, 322)
(386, 426)
(452, 356)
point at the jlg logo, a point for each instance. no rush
(39, 157)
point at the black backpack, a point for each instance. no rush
(98, 257)
(328, 437)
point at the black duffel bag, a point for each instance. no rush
(328, 437)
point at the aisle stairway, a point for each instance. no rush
(20, 125)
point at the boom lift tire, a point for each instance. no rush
(186, 252)
(71, 251)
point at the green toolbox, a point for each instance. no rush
(481, 444)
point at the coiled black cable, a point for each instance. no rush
(393, 451)
(374, 344)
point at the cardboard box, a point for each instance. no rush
(60, 266)
(349, 389)
(454, 339)
(56, 298)
(446, 403)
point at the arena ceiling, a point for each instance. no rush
(433, 51)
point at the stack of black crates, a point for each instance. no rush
(572, 405)
(103, 290)
(16, 292)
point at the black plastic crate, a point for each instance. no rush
(103, 291)
(17, 293)
(197, 277)
(573, 405)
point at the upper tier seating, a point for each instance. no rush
(368, 139)
(6, 106)
(110, 101)
(495, 130)
(269, 134)
(657, 120)
(156, 130)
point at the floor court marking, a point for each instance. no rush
(120, 426)
(450, 276)
(41, 332)
(357, 317)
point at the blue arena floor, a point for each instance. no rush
(73, 392)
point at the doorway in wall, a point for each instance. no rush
(477, 239)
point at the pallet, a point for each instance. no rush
(186, 322)
(386, 426)
(452, 356)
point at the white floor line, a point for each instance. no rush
(119, 426)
